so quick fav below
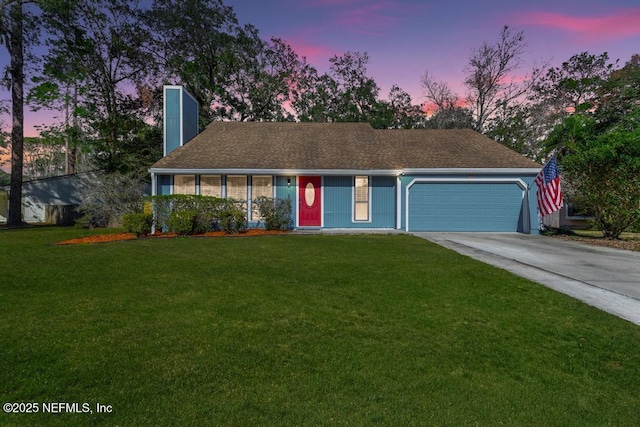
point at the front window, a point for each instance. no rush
(211, 185)
(361, 198)
(237, 187)
(261, 186)
(184, 184)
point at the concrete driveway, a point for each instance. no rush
(602, 277)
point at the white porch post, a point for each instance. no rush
(154, 192)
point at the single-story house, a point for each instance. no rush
(349, 175)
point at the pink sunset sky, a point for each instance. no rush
(405, 38)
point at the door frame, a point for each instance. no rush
(299, 179)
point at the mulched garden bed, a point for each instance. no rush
(102, 238)
(626, 244)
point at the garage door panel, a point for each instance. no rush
(464, 207)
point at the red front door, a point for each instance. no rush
(309, 203)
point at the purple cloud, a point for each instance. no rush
(621, 24)
(371, 17)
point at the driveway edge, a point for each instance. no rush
(611, 302)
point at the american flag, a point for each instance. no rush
(549, 191)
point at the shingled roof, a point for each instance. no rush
(337, 146)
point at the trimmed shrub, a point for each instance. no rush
(206, 220)
(233, 219)
(207, 208)
(182, 222)
(175, 212)
(138, 223)
(275, 213)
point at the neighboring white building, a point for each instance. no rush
(52, 200)
(567, 217)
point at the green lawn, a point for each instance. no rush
(299, 330)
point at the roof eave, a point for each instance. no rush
(291, 172)
(475, 171)
(389, 172)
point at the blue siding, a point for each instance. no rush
(338, 202)
(181, 118)
(190, 117)
(164, 185)
(171, 119)
(383, 199)
(284, 190)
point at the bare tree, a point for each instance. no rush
(451, 112)
(491, 76)
(439, 93)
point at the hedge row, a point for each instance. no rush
(191, 214)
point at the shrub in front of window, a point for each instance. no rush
(182, 222)
(207, 207)
(275, 213)
(173, 212)
(232, 218)
(138, 223)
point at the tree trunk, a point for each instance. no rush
(73, 159)
(17, 108)
(66, 130)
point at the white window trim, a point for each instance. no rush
(353, 200)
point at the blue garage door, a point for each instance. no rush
(464, 207)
